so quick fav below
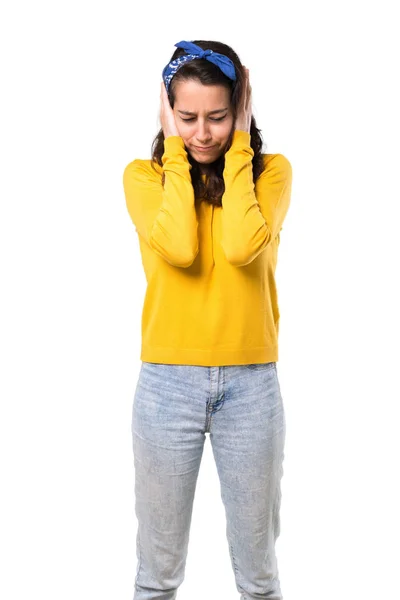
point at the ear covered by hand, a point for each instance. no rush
(243, 119)
(167, 117)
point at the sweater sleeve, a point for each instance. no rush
(165, 216)
(252, 214)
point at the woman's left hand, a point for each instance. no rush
(243, 119)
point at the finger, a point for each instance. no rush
(249, 86)
(248, 101)
(247, 83)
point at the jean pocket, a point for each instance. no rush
(261, 366)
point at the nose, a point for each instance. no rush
(203, 134)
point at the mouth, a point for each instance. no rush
(204, 148)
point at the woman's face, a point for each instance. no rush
(204, 117)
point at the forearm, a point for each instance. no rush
(252, 214)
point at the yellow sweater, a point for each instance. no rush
(211, 296)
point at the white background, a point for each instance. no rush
(80, 99)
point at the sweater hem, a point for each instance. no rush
(208, 358)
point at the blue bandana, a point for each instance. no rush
(194, 51)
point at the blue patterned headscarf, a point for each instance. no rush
(194, 51)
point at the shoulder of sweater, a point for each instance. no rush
(277, 161)
(277, 167)
(143, 168)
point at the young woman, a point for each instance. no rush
(208, 209)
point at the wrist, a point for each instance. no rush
(242, 126)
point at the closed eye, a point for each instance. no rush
(211, 119)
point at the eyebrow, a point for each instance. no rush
(212, 112)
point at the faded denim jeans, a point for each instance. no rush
(241, 408)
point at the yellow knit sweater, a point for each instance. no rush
(211, 296)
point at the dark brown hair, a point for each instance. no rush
(207, 73)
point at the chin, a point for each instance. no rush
(206, 158)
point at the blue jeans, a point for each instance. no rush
(241, 407)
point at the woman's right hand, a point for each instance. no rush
(167, 116)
